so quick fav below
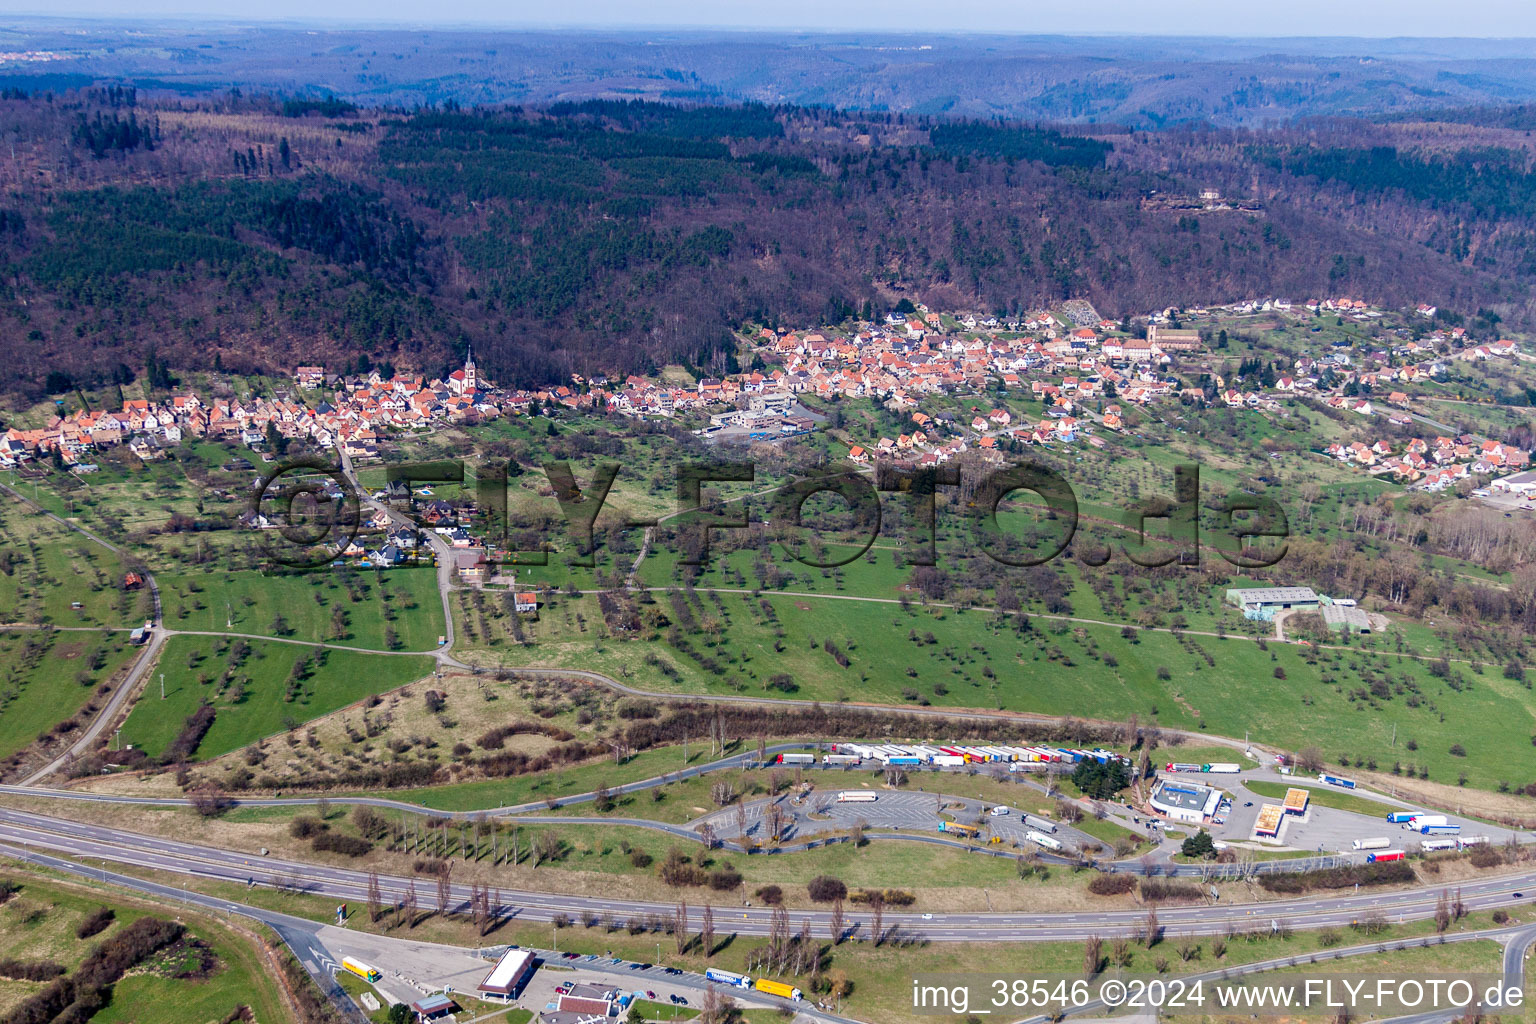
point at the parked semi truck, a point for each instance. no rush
(797, 759)
(1372, 844)
(777, 988)
(1040, 824)
(728, 978)
(1400, 817)
(1418, 821)
(1384, 855)
(1222, 768)
(1041, 839)
(361, 969)
(1336, 780)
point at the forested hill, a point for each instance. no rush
(610, 236)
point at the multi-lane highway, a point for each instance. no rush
(88, 842)
(320, 947)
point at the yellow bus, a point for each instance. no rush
(361, 969)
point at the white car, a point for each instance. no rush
(998, 811)
(927, 917)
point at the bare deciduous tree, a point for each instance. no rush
(1093, 955)
(408, 906)
(444, 892)
(707, 931)
(375, 896)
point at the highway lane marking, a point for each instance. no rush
(189, 863)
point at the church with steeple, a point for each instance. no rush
(467, 380)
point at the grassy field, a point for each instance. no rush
(258, 688)
(39, 923)
(1326, 798)
(47, 569)
(1287, 695)
(134, 503)
(396, 609)
(45, 677)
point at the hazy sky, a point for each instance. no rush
(1435, 18)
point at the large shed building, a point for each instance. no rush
(1263, 602)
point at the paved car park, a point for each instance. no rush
(413, 969)
(819, 814)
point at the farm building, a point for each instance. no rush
(1263, 602)
(1345, 619)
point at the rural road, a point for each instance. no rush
(136, 673)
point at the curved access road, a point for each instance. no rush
(315, 945)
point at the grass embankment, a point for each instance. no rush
(39, 923)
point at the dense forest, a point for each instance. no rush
(608, 236)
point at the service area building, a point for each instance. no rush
(587, 998)
(509, 975)
(1297, 801)
(433, 1007)
(1185, 801)
(1270, 817)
